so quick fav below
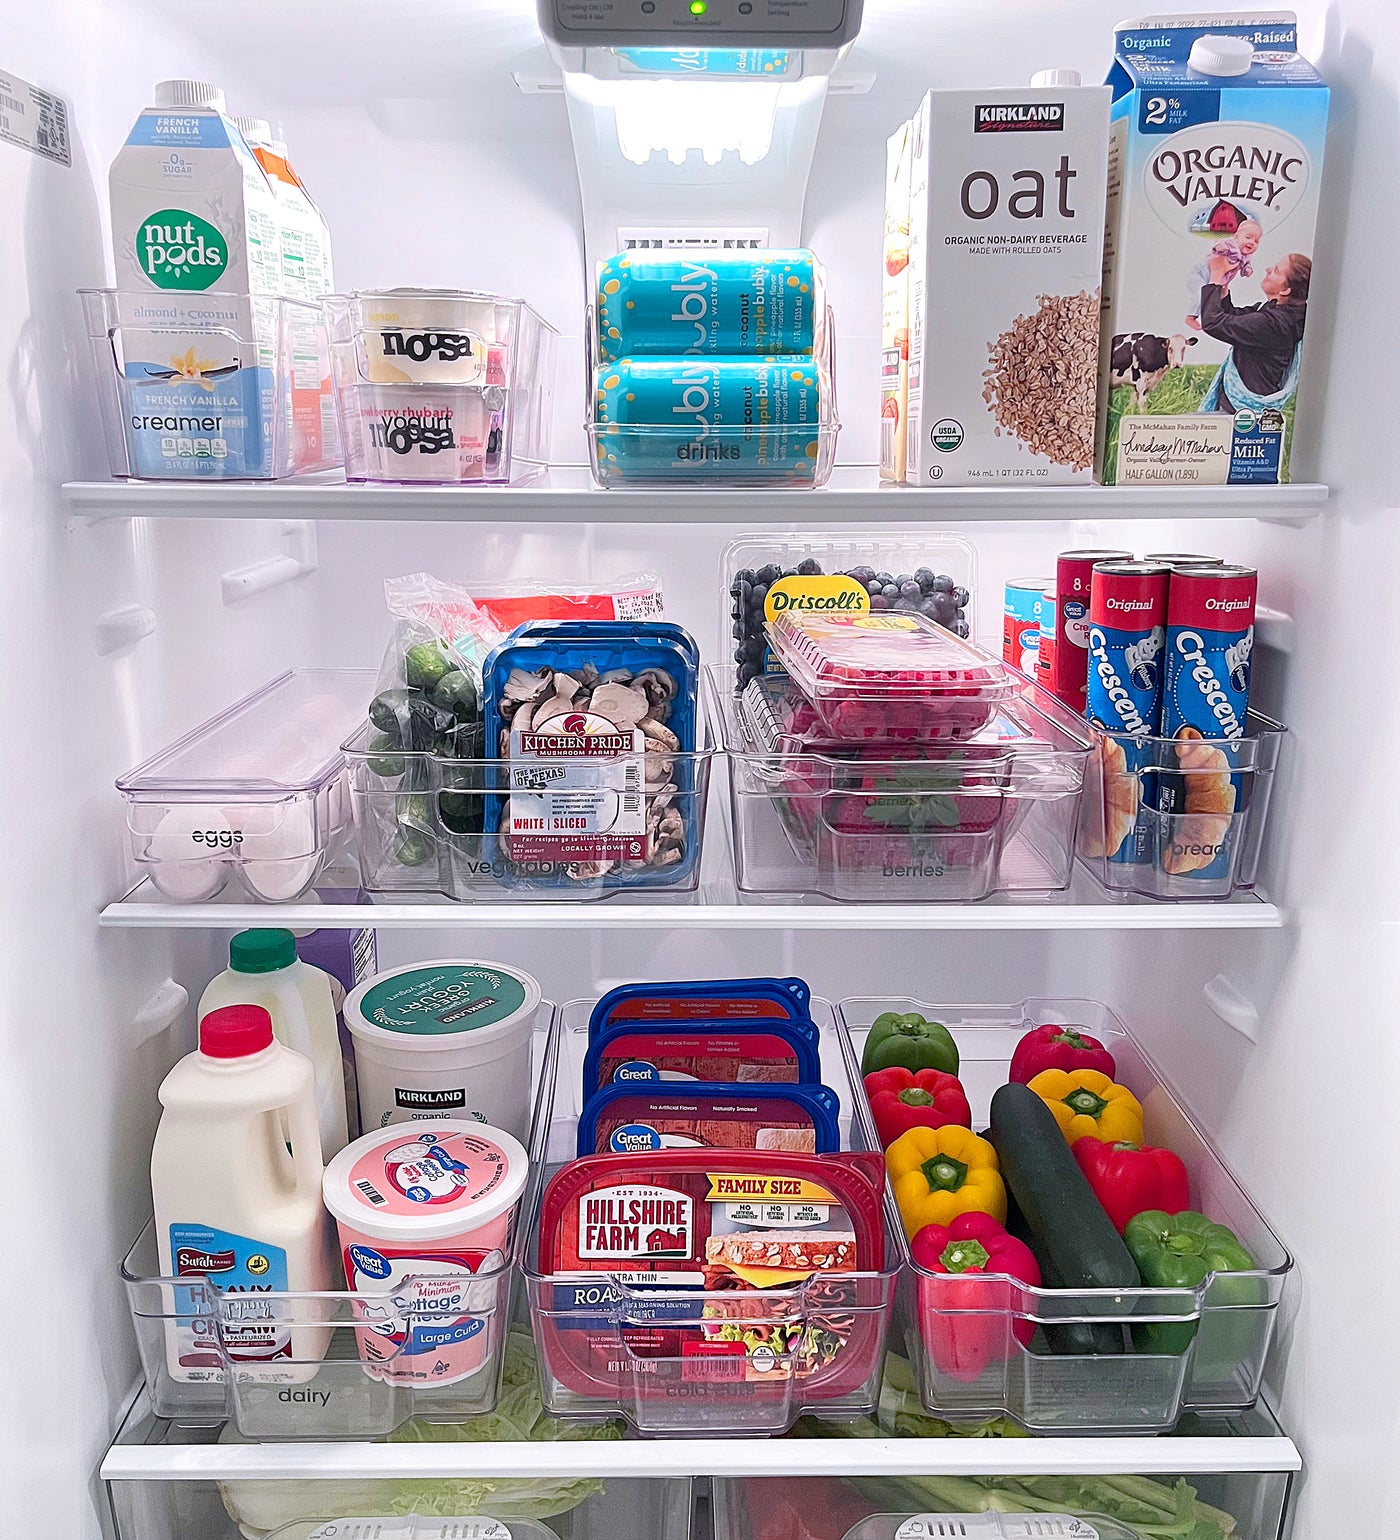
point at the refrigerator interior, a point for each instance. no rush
(434, 167)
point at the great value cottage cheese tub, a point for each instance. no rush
(417, 1208)
(444, 1039)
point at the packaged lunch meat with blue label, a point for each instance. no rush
(626, 1119)
(721, 1052)
(596, 724)
(786, 999)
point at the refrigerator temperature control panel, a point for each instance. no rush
(709, 23)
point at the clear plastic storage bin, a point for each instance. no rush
(426, 824)
(904, 823)
(1248, 1505)
(1229, 1319)
(1179, 818)
(752, 452)
(327, 1386)
(441, 385)
(245, 395)
(764, 574)
(664, 1395)
(257, 793)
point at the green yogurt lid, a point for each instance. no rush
(444, 999)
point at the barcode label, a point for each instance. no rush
(677, 238)
(372, 1193)
(34, 120)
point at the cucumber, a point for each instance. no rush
(1072, 1237)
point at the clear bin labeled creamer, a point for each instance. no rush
(256, 793)
(441, 385)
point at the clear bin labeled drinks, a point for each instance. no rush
(1085, 1360)
(255, 794)
(899, 821)
(889, 677)
(441, 385)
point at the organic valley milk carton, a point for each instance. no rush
(196, 245)
(1214, 173)
(894, 322)
(1005, 260)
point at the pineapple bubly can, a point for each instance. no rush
(1127, 633)
(720, 418)
(1070, 669)
(661, 303)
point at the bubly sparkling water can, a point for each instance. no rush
(1127, 634)
(720, 302)
(1020, 631)
(714, 418)
(1210, 639)
(1073, 574)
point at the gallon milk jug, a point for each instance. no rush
(236, 1179)
(198, 258)
(264, 969)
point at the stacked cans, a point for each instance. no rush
(1169, 648)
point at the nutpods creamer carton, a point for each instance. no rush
(1005, 261)
(196, 244)
(1214, 174)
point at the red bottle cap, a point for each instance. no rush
(235, 1031)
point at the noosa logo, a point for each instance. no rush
(179, 250)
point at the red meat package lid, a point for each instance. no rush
(885, 654)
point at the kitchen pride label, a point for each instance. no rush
(577, 785)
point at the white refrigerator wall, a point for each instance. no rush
(434, 168)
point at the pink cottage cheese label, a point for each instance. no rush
(434, 1323)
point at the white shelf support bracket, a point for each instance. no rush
(1239, 1014)
(160, 1012)
(298, 558)
(120, 629)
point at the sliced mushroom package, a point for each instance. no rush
(595, 725)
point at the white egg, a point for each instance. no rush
(187, 855)
(280, 858)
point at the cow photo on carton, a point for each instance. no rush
(1215, 158)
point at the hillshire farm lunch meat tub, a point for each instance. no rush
(739, 1347)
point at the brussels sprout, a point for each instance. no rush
(460, 812)
(427, 723)
(412, 847)
(383, 762)
(388, 711)
(457, 691)
(426, 663)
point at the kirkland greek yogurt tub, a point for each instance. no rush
(444, 1039)
(417, 1209)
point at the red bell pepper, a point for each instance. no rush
(1129, 1179)
(901, 1099)
(1058, 1047)
(987, 1264)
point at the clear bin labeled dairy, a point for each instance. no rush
(890, 677)
(441, 385)
(255, 794)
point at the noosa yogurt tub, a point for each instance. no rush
(421, 1212)
(444, 1039)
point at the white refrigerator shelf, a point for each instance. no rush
(566, 494)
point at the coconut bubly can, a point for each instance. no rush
(1210, 639)
(720, 418)
(1127, 632)
(1020, 631)
(1070, 667)
(729, 302)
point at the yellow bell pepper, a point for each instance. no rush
(938, 1173)
(1086, 1102)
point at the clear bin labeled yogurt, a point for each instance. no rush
(444, 1039)
(427, 1218)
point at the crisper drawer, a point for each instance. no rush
(991, 1504)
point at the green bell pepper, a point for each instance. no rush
(909, 1042)
(1180, 1251)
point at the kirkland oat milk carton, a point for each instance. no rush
(1215, 165)
(1005, 257)
(197, 249)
